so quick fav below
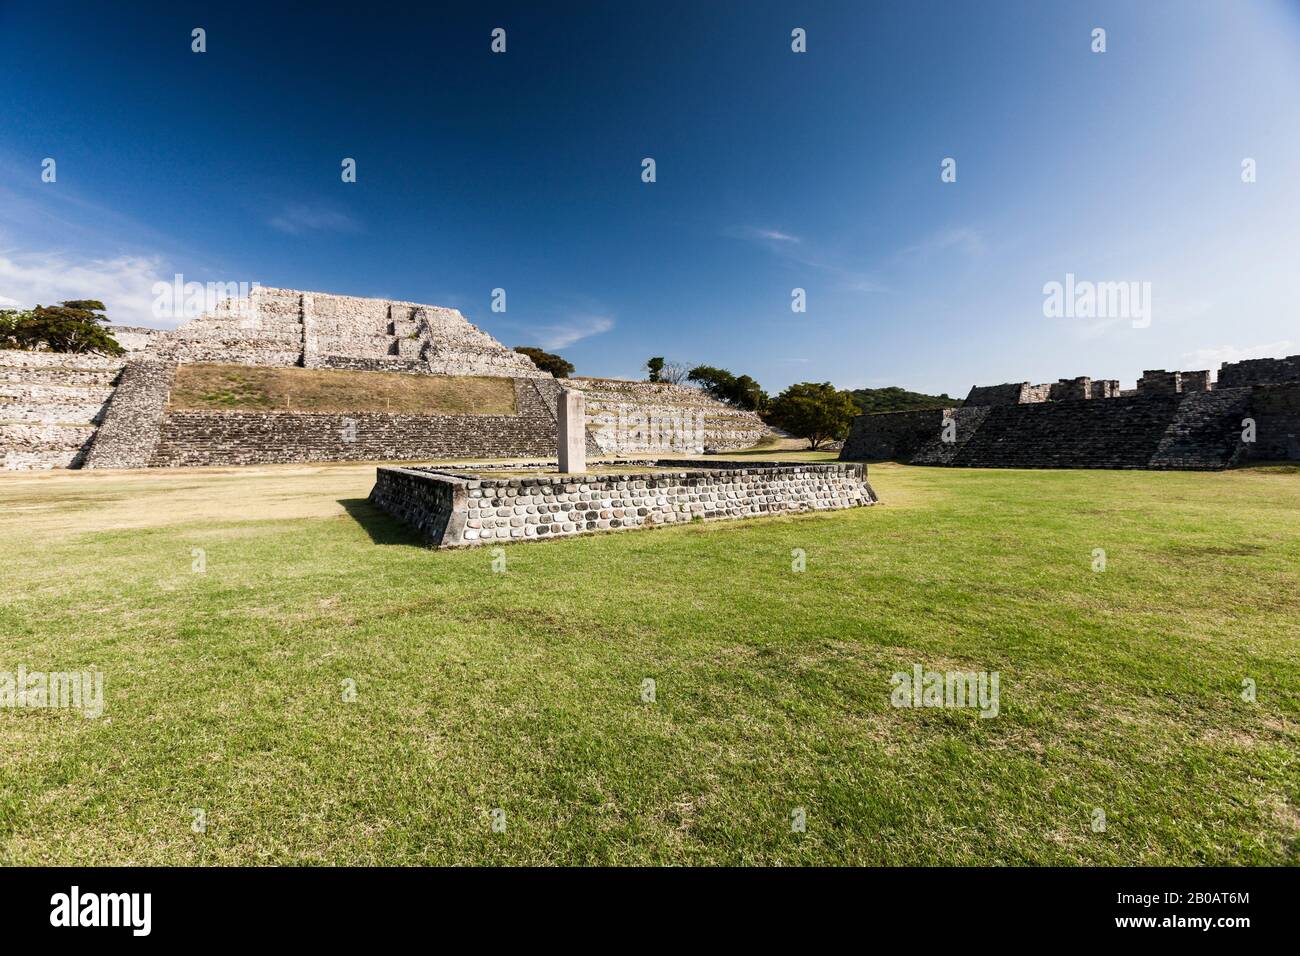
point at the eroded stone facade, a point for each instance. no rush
(285, 327)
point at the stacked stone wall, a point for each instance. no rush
(626, 417)
(1011, 393)
(1265, 371)
(496, 510)
(50, 406)
(1276, 411)
(1196, 430)
(133, 418)
(893, 436)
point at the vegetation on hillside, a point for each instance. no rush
(895, 399)
(547, 361)
(75, 325)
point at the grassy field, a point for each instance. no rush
(209, 387)
(1119, 690)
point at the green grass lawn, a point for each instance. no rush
(522, 690)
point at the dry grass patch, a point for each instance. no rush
(210, 387)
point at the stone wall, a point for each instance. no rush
(1194, 430)
(134, 338)
(1011, 393)
(627, 417)
(470, 509)
(893, 436)
(1276, 411)
(1265, 371)
(134, 416)
(50, 405)
(260, 438)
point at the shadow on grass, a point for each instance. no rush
(382, 527)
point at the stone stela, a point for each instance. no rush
(571, 417)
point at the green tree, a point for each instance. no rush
(76, 325)
(817, 411)
(742, 391)
(655, 366)
(546, 361)
(895, 399)
(9, 323)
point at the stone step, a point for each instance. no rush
(54, 394)
(40, 460)
(63, 413)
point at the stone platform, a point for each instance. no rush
(457, 509)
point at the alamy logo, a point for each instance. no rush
(1083, 299)
(179, 299)
(103, 909)
(923, 688)
(66, 690)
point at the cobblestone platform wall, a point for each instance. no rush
(451, 509)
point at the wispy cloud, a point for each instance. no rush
(1214, 357)
(962, 239)
(762, 234)
(299, 219)
(573, 329)
(793, 249)
(124, 284)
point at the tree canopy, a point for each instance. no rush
(75, 325)
(739, 390)
(817, 411)
(546, 361)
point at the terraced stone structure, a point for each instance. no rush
(74, 411)
(318, 330)
(451, 509)
(1172, 420)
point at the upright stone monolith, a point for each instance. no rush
(571, 416)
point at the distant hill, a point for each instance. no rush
(895, 399)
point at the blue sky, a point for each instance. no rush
(775, 170)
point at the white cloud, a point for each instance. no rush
(298, 219)
(1212, 358)
(566, 333)
(124, 284)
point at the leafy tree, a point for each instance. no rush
(76, 325)
(817, 411)
(655, 367)
(546, 361)
(10, 320)
(895, 399)
(742, 391)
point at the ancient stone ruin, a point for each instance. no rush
(455, 509)
(1179, 420)
(59, 411)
